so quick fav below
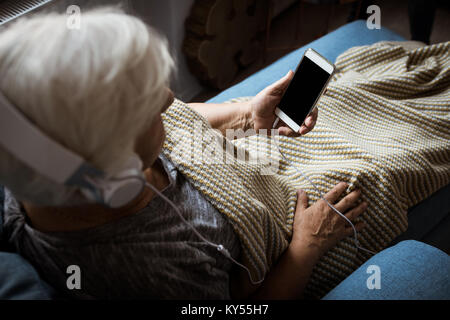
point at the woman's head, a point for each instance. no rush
(96, 90)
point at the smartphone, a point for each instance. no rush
(310, 80)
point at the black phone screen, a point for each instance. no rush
(302, 92)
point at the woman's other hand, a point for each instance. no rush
(316, 230)
(319, 227)
(263, 109)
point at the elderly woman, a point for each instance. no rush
(100, 91)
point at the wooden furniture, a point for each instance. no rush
(222, 37)
(225, 36)
(300, 11)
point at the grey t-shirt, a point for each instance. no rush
(150, 254)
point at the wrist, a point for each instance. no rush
(246, 115)
(305, 248)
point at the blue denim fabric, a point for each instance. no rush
(410, 270)
(20, 281)
(330, 46)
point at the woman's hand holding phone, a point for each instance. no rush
(263, 105)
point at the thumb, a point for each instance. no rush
(278, 87)
(302, 200)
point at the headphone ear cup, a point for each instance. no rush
(119, 193)
(120, 189)
(126, 185)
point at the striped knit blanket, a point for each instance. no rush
(383, 127)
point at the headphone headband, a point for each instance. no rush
(28, 144)
(31, 146)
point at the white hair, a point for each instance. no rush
(93, 90)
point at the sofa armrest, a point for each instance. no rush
(410, 270)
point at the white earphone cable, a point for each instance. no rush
(323, 198)
(219, 247)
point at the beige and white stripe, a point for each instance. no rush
(383, 127)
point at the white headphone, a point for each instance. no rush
(28, 144)
(41, 153)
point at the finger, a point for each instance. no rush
(312, 118)
(304, 130)
(336, 192)
(313, 114)
(302, 200)
(284, 130)
(349, 230)
(280, 124)
(277, 88)
(355, 212)
(288, 132)
(309, 122)
(349, 201)
(359, 226)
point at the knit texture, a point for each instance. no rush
(383, 127)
